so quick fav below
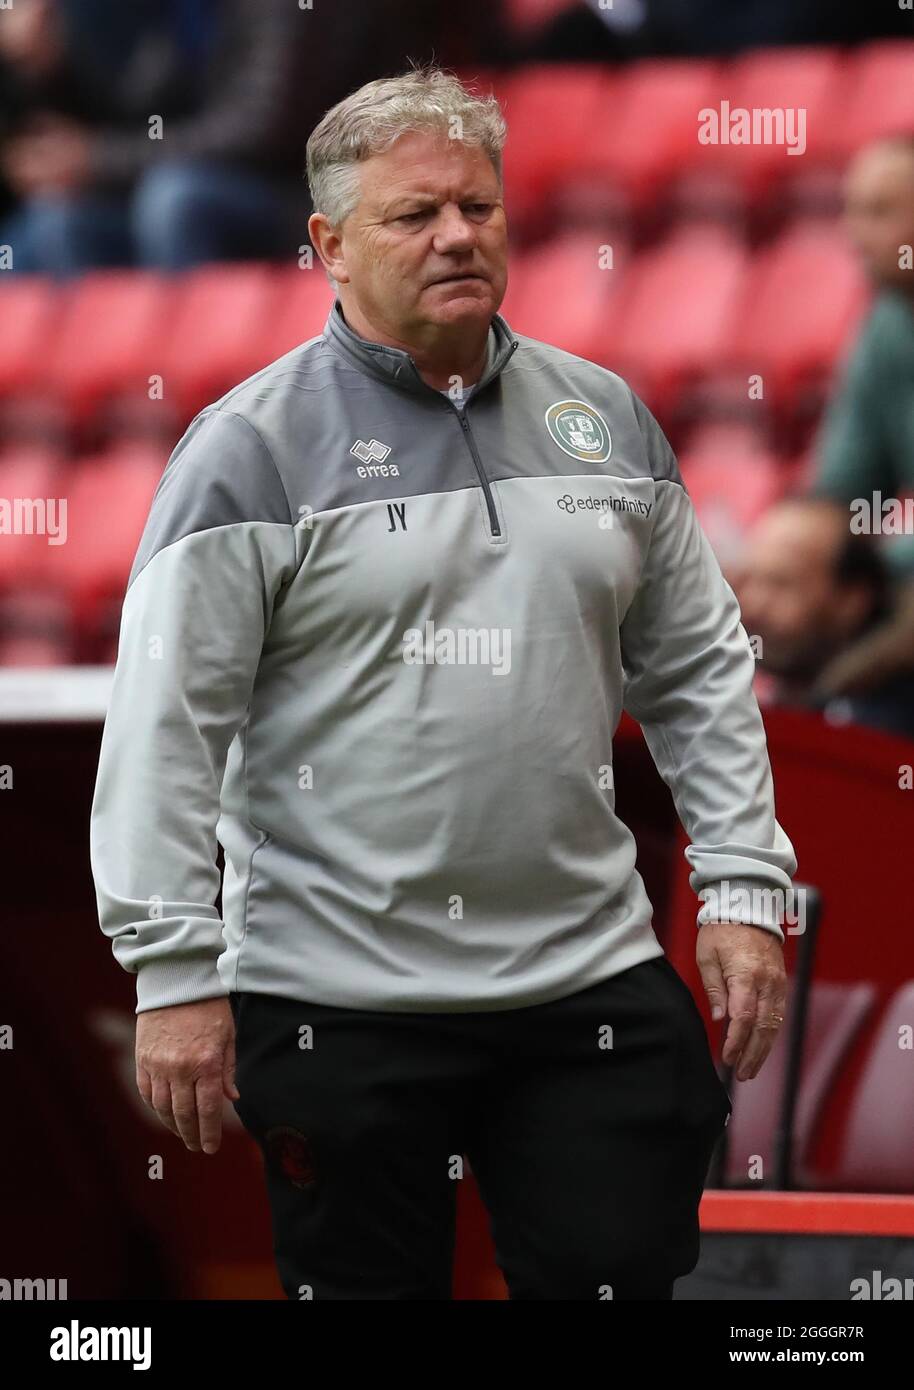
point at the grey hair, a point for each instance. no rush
(371, 119)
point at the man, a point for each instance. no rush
(809, 590)
(390, 585)
(866, 446)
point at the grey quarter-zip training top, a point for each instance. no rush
(376, 642)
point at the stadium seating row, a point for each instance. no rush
(129, 357)
(854, 1116)
(616, 140)
(696, 322)
(874, 1149)
(64, 570)
(59, 601)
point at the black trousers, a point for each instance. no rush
(589, 1123)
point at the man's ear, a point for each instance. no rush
(328, 243)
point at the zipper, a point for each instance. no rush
(337, 330)
(487, 490)
(494, 523)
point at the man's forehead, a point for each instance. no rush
(884, 163)
(429, 167)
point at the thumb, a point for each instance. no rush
(715, 986)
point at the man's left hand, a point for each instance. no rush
(53, 157)
(742, 969)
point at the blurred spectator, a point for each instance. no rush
(237, 84)
(587, 30)
(865, 450)
(809, 589)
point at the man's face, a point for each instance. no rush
(426, 247)
(879, 210)
(788, 593)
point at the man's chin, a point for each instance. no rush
(466, 307)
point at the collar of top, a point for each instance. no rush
(397, 367)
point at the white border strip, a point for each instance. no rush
(39, 695)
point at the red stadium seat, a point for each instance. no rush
(731, 177)
(877, 1154)
(34, 651)
(27, 311)
(834, 784)
(305, 298)
(802, 298)
(676, 304)
(876, 98)
(27, 472)
(550, 110)
(108, 497)
(732, 479)
(525, 15)
(215, 337)
(836, 1014)
(559, 293)
(109, 340)
(651, 134)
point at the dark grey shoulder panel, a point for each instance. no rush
(659, 451)
(219, 473)
(300, 364)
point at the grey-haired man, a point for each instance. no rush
(393, 595)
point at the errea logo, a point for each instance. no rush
(579, 430)
(375, 452)
(372, 456)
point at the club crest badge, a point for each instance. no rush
(580, 430)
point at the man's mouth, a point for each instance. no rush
(455, 279)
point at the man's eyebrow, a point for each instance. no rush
(410, 200)
(419, 201)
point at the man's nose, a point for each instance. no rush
(453, 231)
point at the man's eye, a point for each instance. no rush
(412, 217)
(479, 208)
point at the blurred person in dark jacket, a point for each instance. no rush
(169, 132)
(590, 30)
(810, 589)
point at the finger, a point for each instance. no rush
(184, 1104)
(743, 1000)
(209, 1109)
(754, 1053)
(772, 1003)
(161, 1102)
(761, 1041)
(714, 985)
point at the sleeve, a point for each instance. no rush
(856, 455)
(688, 674)
(850, 453)
(217, 549)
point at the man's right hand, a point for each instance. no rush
(185, 1064)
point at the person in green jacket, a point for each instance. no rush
(865, 449)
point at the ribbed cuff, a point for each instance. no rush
(181, 980)
(747, 901)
